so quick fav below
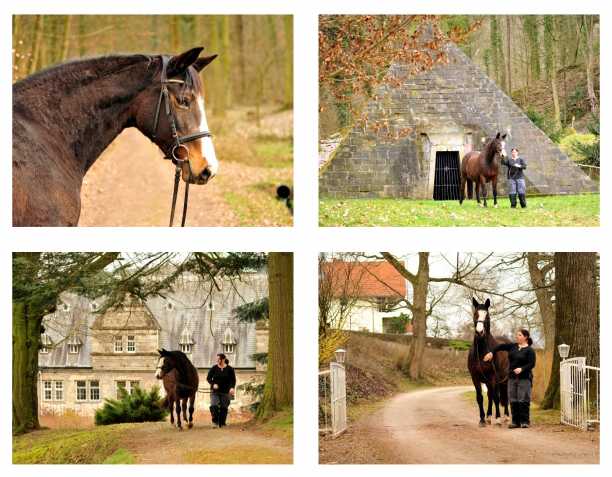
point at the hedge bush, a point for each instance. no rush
(137, 407)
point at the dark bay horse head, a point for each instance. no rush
(499, 145)
(482, 323)
(165, 364)
(186, 103)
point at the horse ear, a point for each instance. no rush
(474, 302)
(159, 352)
(202, 62)
(504, 136)
(178, 64)
(487, 303)
(498, 134)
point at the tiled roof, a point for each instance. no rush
(365, 278)
(190, 311)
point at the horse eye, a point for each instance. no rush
(183, 102)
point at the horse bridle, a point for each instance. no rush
(488, 351)
(178, 141)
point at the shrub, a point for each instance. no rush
(460, 345)
(398, 324)
(137, 407)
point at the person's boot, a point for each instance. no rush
(222, 416)
(214, 414)
(523, 200)
(512, 200)
(516, 415)
(525, 413)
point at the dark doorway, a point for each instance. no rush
(448, 176)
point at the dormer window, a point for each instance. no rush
(229, 342)
(65, 307)
(170, 305)
(93, 306)
(210, 306)
(74, 343)
(186, 341)
(46, 342)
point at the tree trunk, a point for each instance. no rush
(66, 39)
(278, 391)
(419, 317)
(37, 44)
(216, 95)
(544, 296)
(241, 61)
(577, 318)
(509, 60)
(288, 60)
(225, 61)
(589, 27)
(26, 330)
(554, 66)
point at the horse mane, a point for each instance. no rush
(180, 362)
(79, 69)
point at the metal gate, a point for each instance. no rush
(447, 179)
(332, 400)
(579, 393)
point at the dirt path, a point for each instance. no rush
(130, 185)
(235, 444)
(435, 426)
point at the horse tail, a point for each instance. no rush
(163, 404)
(470, 189)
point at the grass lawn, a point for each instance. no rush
(557, 211)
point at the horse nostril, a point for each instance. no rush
(206, 173)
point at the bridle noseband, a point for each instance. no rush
(178, 141)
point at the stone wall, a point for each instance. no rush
(457, 102)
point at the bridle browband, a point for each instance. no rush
(178, 141)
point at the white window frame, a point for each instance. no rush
(73, 349)
(76, 391)
(133, 384)
(131, 342)
(124, 384)
(92, 389)
(48, 389)
(44, 351)
(118, 341)
(170, 305)
(229, 348)
(186, 348)
(58, 388)
(210, 306)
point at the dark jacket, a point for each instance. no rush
(224, 378)
(524, 358)
(515, 172)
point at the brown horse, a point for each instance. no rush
(181, 382)
(482, 167)
(65, 115)
(494, 373)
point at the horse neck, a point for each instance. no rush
(86, 103)
(489, 153)
(483, 345)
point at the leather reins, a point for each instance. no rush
(178, 141)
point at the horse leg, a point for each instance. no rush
(498, 421)
(503, 398)
(477, 184)
(462, 191)
(185, 409)
(489, 404)
(478, 386)
(484, 192)
(171, 407)
(178, 414)
(495, 192)
(191, 409)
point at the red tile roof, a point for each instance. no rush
(364, 278)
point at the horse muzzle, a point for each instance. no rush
(202, 178)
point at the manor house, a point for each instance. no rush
(86, 356)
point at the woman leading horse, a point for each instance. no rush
(522, 360)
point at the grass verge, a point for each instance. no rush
(94, 445)
(557, 211)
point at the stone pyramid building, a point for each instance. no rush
(452, 109)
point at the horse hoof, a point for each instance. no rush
(173, 424)
(189, 426)
(480, 205)
(179, 428)
(496, 206)
(482, 424)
